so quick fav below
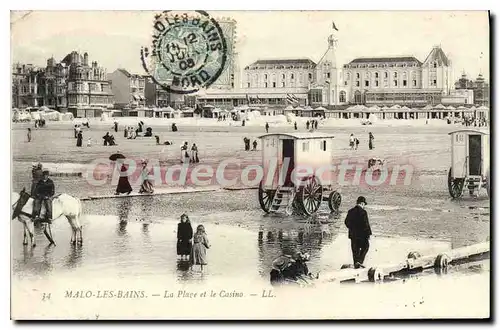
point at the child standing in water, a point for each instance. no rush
(200, 246)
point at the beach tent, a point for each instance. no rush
(427, 107)
(440, 107)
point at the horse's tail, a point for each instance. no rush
(80, 208)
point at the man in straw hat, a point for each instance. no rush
(44, 192)
(359, 231)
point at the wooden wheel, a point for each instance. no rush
(310, 195)
(265, 198)
(455, 186)
(334, 201)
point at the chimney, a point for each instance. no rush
(86, 59)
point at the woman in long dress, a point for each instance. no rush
(184, 237)
(194, 154)
(370, 141)
(124, 186)
(147, 184)
(79, 139)
(184, 153)
(200, 246)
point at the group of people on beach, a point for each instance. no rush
(246, 141)
(77, 130)
(189, 158)
(147, 183)
(313, 124)
(354, 141)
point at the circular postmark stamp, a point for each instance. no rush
(188, 51)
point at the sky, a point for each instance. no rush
(114, 38)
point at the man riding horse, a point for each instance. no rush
(43, 193)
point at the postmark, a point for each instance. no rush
(188, 51)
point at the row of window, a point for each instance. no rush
(265, 77)
(380, 65)
(280, 67)
(386, 83)
(387, 65)
(385, 75)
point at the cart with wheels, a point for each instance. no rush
(297, 177)
(470, 163)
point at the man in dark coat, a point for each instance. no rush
(359, 231)
(44, 192)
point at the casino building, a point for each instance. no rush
(381, 81)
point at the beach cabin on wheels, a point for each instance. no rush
(288, 157)
(470, 162)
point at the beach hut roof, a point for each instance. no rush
(405, 108)
(384, 108)
(440, 107)
(483, 108)
(427, 107)
(374, 108)
(289, 107)
(461, 108)
(320, 108)
(450, 108)
(308, 108)
(168, 109)
(473, 108)
(395, 106)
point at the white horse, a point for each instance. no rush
(62, 205)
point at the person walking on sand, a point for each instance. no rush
(29, 134)
(357, 143)
(184, 237)
(194, 154)
(254, 145)
(79, 139)
(351, 141)
(267, 127)
(123, 186)
(359, 231)
(370, 141)
(184, 153)
(200, 245)
(147, 183)
(116, 126)
(295, 125)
